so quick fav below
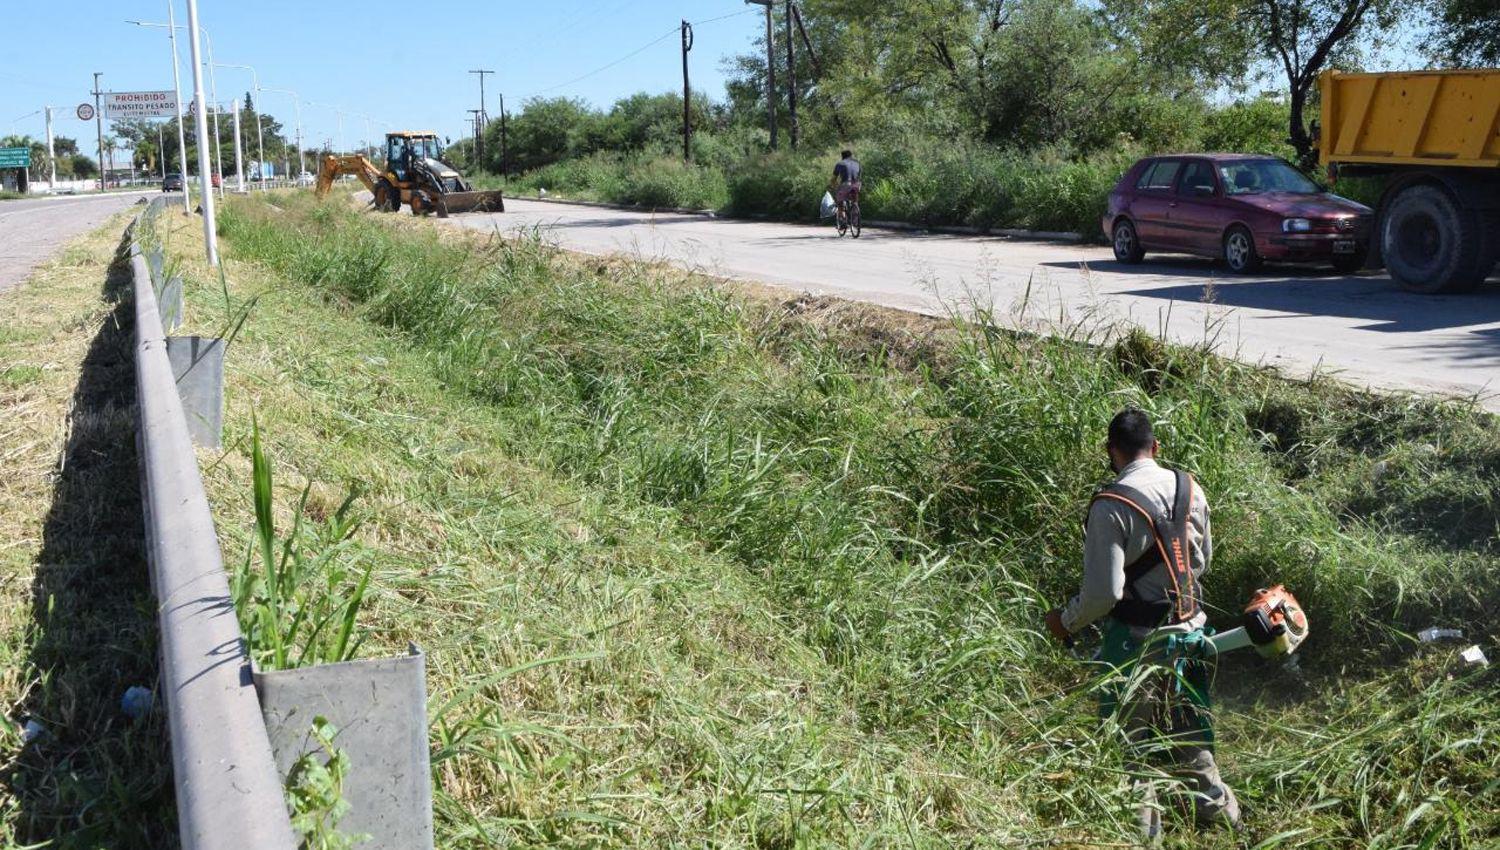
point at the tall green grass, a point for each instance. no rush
(912, 180)
(300, 608)
(911, 508)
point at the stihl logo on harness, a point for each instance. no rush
(1170, 534)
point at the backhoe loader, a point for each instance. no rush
(414, 175)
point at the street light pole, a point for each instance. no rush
(260, 150)
(99, 129)
(297, 101)
(239, 154)
(200, 122)
(182, 164)
(213, 84)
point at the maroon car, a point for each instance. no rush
(1243, 208)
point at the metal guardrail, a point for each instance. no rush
(229, 794)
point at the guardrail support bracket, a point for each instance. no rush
(198, 366)
(379, 707)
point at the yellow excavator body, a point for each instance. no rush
(414, 175)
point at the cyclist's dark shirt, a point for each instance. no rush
(847, 170)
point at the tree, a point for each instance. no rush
(1302, 38)
(545, 131)
(1465, 32)
(1306, 35)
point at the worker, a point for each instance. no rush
(1147, 544)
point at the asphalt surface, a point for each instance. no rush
(1302, 320)
(32, 229)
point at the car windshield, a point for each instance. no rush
(1264, 175)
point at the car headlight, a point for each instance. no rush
(1295, 225)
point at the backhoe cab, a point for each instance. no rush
(414, 174)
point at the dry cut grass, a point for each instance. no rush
(77, 621)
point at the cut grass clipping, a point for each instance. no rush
(799, 554)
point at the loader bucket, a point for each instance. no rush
(462, 202)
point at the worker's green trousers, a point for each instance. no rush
(1162, 704)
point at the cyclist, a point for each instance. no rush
(845, 182)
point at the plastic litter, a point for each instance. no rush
(136, 702)
(541, 193)
(825, 209)
(32, 731)
(1433, 633)
(1474, 657)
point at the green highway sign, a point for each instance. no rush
(15, 157)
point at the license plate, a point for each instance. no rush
(1343, 246)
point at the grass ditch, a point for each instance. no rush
(797, 567)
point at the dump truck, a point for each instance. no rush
(414, 175)
(1435, 137)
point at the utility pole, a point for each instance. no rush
(99, 127)
(200, 122)
(687, 94)
(480, 119)
(504, 169)
(770, 68)
(791, 79)
(474, 120)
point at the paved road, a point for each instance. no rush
(32, 229)
(1299, 319)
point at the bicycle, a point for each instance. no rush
(846, 214)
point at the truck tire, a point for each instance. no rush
(387, 197)
(1431, 243)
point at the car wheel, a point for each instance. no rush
(1127, 244)
(1239, 251)
(1348, 264)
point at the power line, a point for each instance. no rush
(638, 51)
(725, 17)
(631, 55)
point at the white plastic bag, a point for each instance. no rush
(825, 210)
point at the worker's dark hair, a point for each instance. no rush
(1130, 432)
(847, 154)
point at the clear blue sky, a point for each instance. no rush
(363, 57)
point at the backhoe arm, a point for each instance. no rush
(336, 166)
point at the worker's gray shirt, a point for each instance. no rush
(1118, 535)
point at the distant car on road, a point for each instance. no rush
(1243, 209)
(306, 179)
(172, 183)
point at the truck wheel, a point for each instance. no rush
(1240, 253)
(387, 197)
(1431, 243)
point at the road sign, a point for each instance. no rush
(85, 112)
(15, 157)
(140, 104)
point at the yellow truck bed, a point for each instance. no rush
(1449, 118)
